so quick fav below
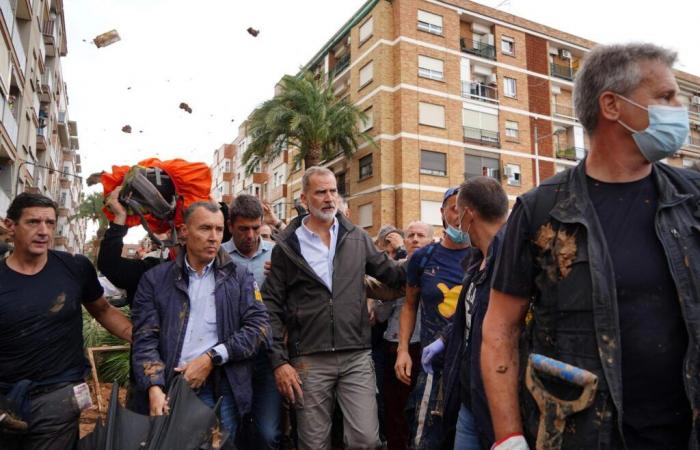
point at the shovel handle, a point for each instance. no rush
(562, 370)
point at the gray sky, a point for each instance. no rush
(199, 52)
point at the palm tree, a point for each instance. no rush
(307, 115)
(91, 209)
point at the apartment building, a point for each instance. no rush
(38, 143)
(222, 173)
(452, 90)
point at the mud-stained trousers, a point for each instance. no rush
(424, 409)
(349, 377)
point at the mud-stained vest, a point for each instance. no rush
(574, 313)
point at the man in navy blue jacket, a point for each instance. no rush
(200, 316)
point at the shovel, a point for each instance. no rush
(553, 410)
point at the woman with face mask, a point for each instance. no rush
(482, 205)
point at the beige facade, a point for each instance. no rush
(454, 89)
(222, 173)
(38, 143)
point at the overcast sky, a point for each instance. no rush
(198, 52)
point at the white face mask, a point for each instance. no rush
(667, 131)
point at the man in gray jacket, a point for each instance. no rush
(315, 295)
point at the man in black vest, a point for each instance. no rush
(606, 256)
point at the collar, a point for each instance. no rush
(191, 271)
(263, 247)
(304, 229)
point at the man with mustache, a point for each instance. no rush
(315, 294)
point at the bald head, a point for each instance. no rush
(418, 234)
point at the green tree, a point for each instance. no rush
(91, 209)
(306, 115)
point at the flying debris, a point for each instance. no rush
(94, 178)
(233, 120)
(186, 107)
(253, 32)
(129, 88)
(140, 131)
(106, 39)
(126, 128)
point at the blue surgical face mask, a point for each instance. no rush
(667, 131)
(458, 236)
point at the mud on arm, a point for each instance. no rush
(147, 362)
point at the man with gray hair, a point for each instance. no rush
(316, 297)
(606, 257)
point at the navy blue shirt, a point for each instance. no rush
(41, 324)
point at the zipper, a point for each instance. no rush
(330, 305)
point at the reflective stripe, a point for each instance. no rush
(423, 410)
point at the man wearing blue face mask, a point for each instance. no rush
(606, 256)
(434, 281)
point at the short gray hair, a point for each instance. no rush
(311, 171)
(427, 226)
(612, 68)
(209, 206)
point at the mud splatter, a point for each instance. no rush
(564, 248)
(152, 369)
(502, 369)
(58, 303)
(216, 437)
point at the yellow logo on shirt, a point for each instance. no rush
(256, 289)
(449, 303)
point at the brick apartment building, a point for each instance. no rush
(452, 90)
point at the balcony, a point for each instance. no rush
(7, 13)
(478, 48)
(342, 64)
(41, 138)
(63, 132)
(49, 32)
(46, 85)
(479, 91)
(19, 50)
(278, 192)
(9, 121)
(571, 153)
(565, 72)
(482, 137)
(564, 111)
(694, 112)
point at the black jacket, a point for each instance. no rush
(575, 317)
(124, 273)
(306, 317)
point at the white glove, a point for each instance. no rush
(514, 442)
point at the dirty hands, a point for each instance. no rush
(158, 402)
(196, 371)
(289, 383)
(112, 202)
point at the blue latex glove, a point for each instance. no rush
(430, 352)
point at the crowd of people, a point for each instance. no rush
(571, 322)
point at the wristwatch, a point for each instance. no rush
(216, 358)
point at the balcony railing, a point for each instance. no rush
(563, 111)
(10, 121)
(341, 65)
(479, 91)
(694, 110)
(564, 72)
(482, 137)
(8, 13)
(478, 48)
(571, 153)
(47, 80)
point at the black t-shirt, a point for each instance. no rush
(652, 332)
(41, 327)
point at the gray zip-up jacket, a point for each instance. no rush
(306, 317)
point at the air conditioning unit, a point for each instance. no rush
(695, 100)
(556, 90)
(492, 79)
(564, 54)
(507, 171)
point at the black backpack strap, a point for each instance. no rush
(426, 258)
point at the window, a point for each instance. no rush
(432, 115)
(512, 172)
(480, 126)
(475, 165)
(365, 215)
(433, 163)
(366, 30)
(507, 45)
(366, 74)
(430, 68)
(509, 87)
(368, 122)
(512, 130)
(429, 22)
(64, 199)
(430, 212)
(366, 166)
(274, 180)
(340, 182)
(279, 210)
(227, 166)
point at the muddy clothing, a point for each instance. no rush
(316, 318)
(124, 273)
(557, 253)
(653, 337)
(41, 323)
(161, 311)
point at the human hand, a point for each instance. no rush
(403, 367)
(430, 352)
(267, 267)
(158, 402)
(112, 202)
(289, 383)
(371, 310)
(197, 371)
(269, 216)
